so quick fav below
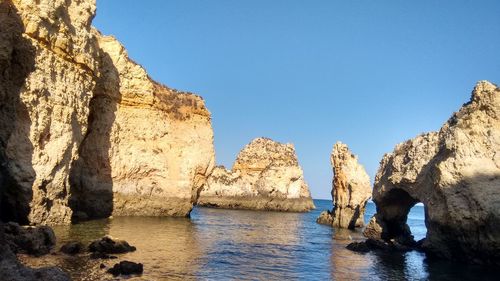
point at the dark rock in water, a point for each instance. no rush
(126, 268)
(378, 245)
(103, 256)
(29, 240)
(12, 270)
(72, 248)
(109, 246)
(359, 247)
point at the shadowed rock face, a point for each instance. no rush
(455, 173)
(351, 190)
(84, 132)
(265, 176)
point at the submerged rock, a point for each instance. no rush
(108, 245)
(101, 256)
(29, 240)
(455, 173)
(351, 190)
(265, 176)
(126, 268)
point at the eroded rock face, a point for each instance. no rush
(83, 130)
(455, 173)
(154, 145)
(351, 190)
(265, 176)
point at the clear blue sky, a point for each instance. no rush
(368, 73)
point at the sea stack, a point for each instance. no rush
(455, 173)
(84, 132)
(351, 190)
(265, 176)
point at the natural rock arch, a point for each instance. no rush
(455, 173)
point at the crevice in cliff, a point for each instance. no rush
(17, 61)
(91, 184)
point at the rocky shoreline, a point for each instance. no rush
(85, 133)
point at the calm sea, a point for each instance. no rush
(220, 244)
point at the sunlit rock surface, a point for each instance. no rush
(455, 173)
(351, 190)
(265, 176)
(84, 132)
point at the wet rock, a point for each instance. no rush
(351, 190)
(126, 268)
(30, 240)
(12, 270)
(455, 173)
(359, 247)
(265, 176)
(378, 245)
(108, 245)
(72, 248)
(325, 218)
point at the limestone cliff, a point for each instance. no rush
(351, 190)
(455, 173)
(265, 176)
(83, 129)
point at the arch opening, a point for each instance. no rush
(403, 217)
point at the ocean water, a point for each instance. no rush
(218, 244)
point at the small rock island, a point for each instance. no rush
(265, 176)
(351, 190)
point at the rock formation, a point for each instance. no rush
(351, 190)
(84, 132)
(455, 173)
(12, 270)
(265, 176)
(36, 241)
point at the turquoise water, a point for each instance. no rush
(218, 244)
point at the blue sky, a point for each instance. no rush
(368, 73)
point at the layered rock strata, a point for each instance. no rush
(84, 132)
(455, 173)
(265, 176)
(351, 190)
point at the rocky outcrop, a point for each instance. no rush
(29, 240)
(455, 173)
(265, 176)
(12, 270)
(108, 245)
(126, 268)
(84, 132)
(351, 190)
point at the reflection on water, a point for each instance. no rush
(247, 245)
